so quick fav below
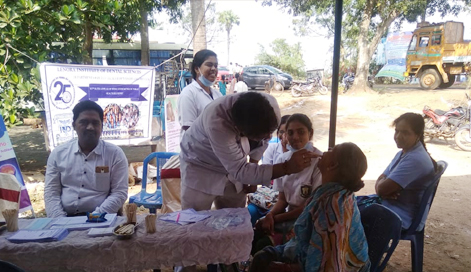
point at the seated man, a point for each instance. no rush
(86, 174)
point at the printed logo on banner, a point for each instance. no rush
(62, 93)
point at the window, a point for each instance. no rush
(251, 70)
(274, 70)
(424, 41)
(413, 43)
(263, 71)
(436, 39)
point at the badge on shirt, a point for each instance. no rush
(306, 191)
(102, 169)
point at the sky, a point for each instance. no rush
(261, 25)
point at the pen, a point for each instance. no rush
(178, 217)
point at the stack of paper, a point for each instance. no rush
(97, 232)
(183, 217)
(39, 224)
(80, 222)
(25, 236)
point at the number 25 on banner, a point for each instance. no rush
(62, 93)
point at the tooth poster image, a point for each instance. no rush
(125, 94)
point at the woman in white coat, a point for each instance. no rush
(194, 97)
(214, 151)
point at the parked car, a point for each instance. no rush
(223, 70)
(256, 76)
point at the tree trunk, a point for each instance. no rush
(198, 24)
(144, 29)
(366, 47)
(88, 43)
(363, 61)
(228, 47)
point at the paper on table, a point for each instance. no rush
(39, 224)
(96, 232)
(24, 236)
(184, 217)
(79, 222)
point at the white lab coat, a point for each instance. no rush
(192, 102)
(212, 150)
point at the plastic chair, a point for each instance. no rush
(416, 235)
(152, 201)
(9, 267)
(383, 231)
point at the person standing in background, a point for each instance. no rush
(199, 93)
(240, 86)
(222, 85)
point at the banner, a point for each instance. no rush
(9, 165)
(125, 93)
(395, 52)
(172, 125)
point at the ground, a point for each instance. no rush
(362, 119)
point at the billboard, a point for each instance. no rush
(124, 92)
(395, 52)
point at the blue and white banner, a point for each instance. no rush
(125, 93)
(9, 165)
(395, 53)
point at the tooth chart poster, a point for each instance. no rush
(125, 93)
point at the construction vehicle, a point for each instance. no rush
(437, 53)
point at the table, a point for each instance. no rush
(171, 245)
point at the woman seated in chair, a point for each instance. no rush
(328, 235)
(294, 190)
(402, 184)
(270, 156)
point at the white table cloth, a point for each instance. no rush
(171, 245)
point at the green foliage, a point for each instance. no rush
(56, 31)
(228, 19)
(364, 22)
(286, 57)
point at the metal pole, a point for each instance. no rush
(335, 72)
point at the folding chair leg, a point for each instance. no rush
(417, 250)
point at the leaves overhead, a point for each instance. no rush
(54, 31)
(364, 22)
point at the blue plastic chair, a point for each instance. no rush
(383, 231)
(152, 201)
(416, 235)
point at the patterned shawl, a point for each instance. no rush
(329, 233)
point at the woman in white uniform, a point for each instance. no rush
(276, 149)
(214, 151)
(194, 97)
(269, 157)
(294, 190)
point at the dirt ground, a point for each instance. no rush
(362, 119)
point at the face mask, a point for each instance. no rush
(308, 145)
(206, 82)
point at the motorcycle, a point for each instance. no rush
(347, 81)
(454, 123)
(348, 78)
(463, 134)
(310, 86)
